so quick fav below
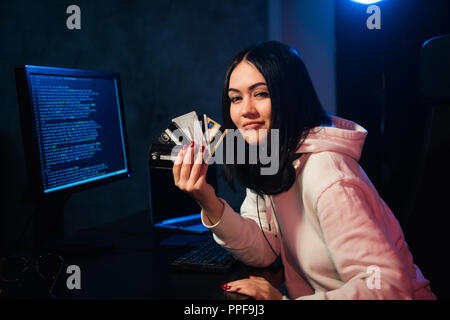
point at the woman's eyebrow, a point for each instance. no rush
(253, 86)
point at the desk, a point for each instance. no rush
(138, 268)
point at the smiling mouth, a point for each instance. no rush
(253, 125)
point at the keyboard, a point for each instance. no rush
(207, 257)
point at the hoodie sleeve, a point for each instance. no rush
(241, 234)
(366, 259)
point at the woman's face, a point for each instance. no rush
(250, 105)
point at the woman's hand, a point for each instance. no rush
(256, 287)
(190, 176)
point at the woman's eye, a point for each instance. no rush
(235, 99)
(262, 94)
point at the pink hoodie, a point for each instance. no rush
(336, 236)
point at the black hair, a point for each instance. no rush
(295, 109)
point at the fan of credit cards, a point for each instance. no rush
(184, 129)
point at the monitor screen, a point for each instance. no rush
(78, 128)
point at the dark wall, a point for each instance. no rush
(172, 57)
(378, 85)
(359, 79)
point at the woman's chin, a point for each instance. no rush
(254, 137)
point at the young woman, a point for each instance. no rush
(319, 214)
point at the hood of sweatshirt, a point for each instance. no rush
(343, 136)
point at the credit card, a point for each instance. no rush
(203, 130)
(173, 135)
(216, 140)
(185, 123)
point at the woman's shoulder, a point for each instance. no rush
(323, 169)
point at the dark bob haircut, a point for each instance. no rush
(295, 108)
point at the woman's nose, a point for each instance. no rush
(248, 108)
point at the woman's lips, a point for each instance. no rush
(253, 125)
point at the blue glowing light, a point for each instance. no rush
(366, 1)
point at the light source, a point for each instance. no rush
(366, 1)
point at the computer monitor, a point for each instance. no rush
(73, 131)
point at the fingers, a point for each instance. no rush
(256, 287)
(251, 279)
(177, 165)
(186, 171)
(197, 167)
(244, 286)
(187, 163)
(204, 170)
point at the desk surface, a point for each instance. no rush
(142, 274)
(138, 267)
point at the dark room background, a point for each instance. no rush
(172, 57)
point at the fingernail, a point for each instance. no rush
(192, 144)
(225, 287)
(185, 147)
(237, 289)
(203, 148)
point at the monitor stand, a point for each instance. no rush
(49, 230)
(48, 220)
